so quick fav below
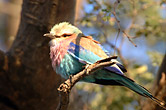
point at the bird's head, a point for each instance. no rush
(63, 29)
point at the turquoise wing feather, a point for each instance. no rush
(111, 76)
(85, 56)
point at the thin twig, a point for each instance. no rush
(116, 40)
(118, 23)
(124, 62)
(129, 38)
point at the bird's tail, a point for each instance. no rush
(127, 82)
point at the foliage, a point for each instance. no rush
(138, 18)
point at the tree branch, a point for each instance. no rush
(65, 88)
(2, 61)
(1, 58)
(118, 23)
(27, 80)
(159, 88)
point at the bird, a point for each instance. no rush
(71, 50)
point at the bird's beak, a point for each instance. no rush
(49, 35)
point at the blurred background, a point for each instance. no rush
(144, 21)
(9, 22)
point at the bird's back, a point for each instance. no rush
(91, 45)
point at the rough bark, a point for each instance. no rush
(159, 88)
(27, 80)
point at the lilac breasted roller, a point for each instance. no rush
(71, 50)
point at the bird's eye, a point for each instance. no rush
(66, 35)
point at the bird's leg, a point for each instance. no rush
(70, 77)
(66, 86)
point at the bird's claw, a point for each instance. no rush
(87, 69)
(64, 88)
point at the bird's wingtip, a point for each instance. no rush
(160, 103)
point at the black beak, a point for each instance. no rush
(49, 35)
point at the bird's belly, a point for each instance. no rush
(69, 66)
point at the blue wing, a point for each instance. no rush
(119, 64)
(85, 56)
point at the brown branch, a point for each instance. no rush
(65, 88)
(3, 61)
(118, 23)
(124, 62)
(159, 88)
(25, 82)
(129, 38)
(116, 40)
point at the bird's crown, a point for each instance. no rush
(64, 28)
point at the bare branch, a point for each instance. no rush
(64, 88)
(159, 88)
(118, 23)
(3, 61)
(125, 63)
(129, 38)
(26, 54)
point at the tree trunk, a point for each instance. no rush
(159, 88)
(27, 80)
